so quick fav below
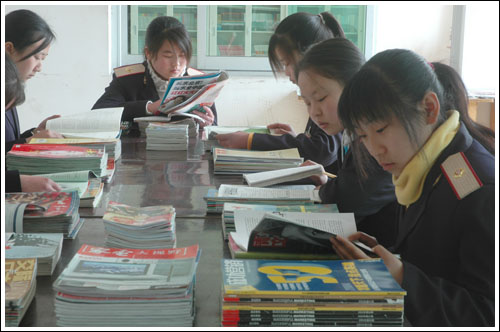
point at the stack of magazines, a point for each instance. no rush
(193, 126)
(283, 195)
(55, 158)
(310, 293)
(20, 288)
(46, 248)
(165, 136)
(231, 161)
(146, 227)
(44, 212)
(127, 287)
(113, 146)
(230, 208)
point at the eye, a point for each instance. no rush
(382, 129)
(321, 99)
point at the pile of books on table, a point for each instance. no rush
(127, 287)
(193, 126)
(112, 146)
(53, 158)
(310, 293)
(232, 161)
(283, 195)
(44, 212)
(20, 288)
(166, 136)
(145, 227)
(229, 210)
(46, 248)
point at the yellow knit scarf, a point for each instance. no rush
(410, 182)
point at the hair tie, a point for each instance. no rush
(430, 64)
(321, 18)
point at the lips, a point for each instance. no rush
(323, 125)
(387, 166)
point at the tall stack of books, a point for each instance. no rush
(166, 136)
(310, 293)
(146, 227)
(230, 208)
(46, 248)
(289, 195)
(231, 161)
(53, 158)
(45, 212)
(127, 287)
(20, 287)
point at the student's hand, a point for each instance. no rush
(282, 128)
(154, 108)
(32, 183)
(43, 124)
(44, 133)
(237, 140)
(347, 250)
(208, 116)
(318, 180)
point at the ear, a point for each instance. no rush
(9, 48)
(147, 53)
(431, 107)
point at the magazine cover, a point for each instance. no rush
(45, 204)
(24, 245)
(335, 277)
(19, 276)
(55, 151)
(134, 216)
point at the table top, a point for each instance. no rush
(147, 178)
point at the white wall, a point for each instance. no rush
(76, 71)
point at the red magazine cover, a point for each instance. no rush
(45, 204)
(57, 151)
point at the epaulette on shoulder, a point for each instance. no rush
(193, 72)
(460, 175)
(127, 70)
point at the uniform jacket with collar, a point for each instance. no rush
(447, 245)
(314, 144)
(132, 91)
(13, 133)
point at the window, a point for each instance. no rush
(230, 37)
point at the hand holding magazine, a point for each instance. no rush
(186, 94)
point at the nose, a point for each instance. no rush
(375, 148)
(315, 110)
(290, 72)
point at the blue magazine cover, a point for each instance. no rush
(335, 277)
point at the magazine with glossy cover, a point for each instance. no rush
(45, 204)
(138, 216)
(334, 277)
(99, 271)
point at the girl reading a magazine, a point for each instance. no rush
(411, 116)
(139, 88)
(321, 75)
(27, 41)
(292, 37)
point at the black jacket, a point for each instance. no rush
(447, 245)
(13, 133)
(132, 92)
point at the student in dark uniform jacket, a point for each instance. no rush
(321, 74)
(27, 42)
(287, 45)
(14, 95)
(413, 119)
(140, 87)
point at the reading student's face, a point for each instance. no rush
(169, 62)
(288, 61)
(389, 143)
(321, 96)
(27, 68)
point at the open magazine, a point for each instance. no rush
(186, 94)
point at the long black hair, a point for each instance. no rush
(24, 28)
(393, 83)
(168, 28)
(297, 32)
(14, 87)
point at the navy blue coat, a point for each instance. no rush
(447, 245)
(132, 92)
(13, 133)
(314, 144)
(372, 199)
